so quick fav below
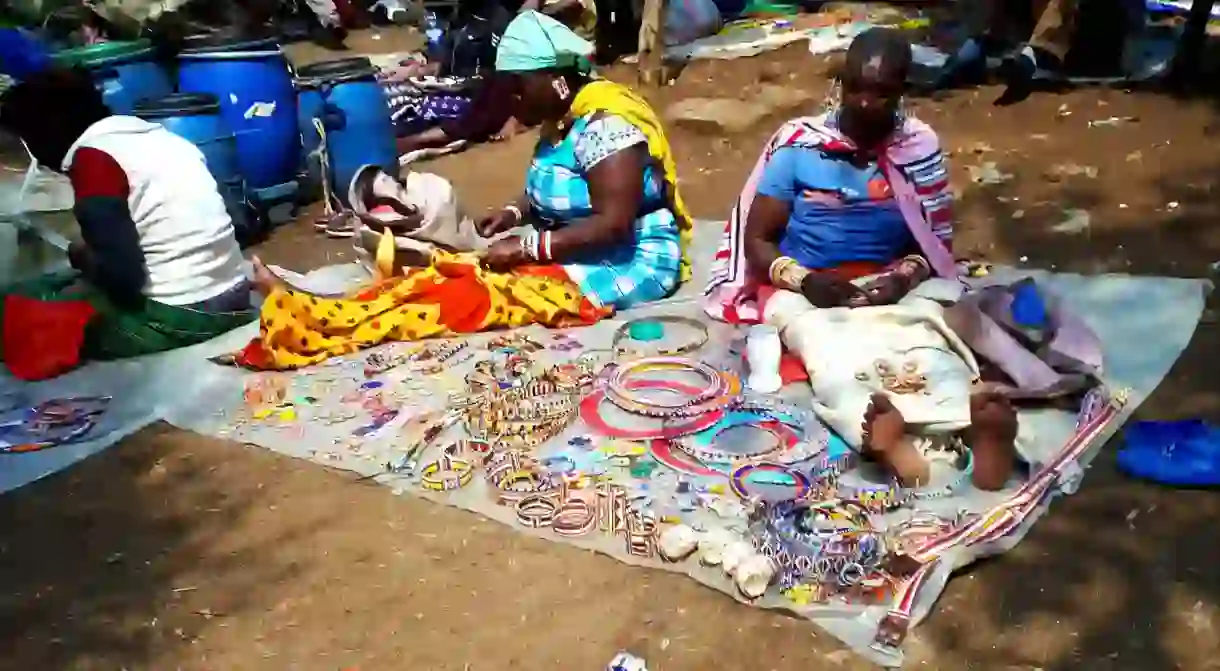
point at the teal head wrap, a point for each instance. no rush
(535, 41)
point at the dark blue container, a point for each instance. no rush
(345, 97)
(125, 72)
(253, 85)
(197, 117)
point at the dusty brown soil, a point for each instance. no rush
(177, 551)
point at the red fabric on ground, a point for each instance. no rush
(43, 339)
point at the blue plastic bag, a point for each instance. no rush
(689, 20)
(21, 54)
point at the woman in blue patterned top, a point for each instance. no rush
(600, 191)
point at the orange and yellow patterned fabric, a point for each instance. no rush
(453, 296)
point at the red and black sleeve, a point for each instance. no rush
(101, 188)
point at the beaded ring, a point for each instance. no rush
(516, 485)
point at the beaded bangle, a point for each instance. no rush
(502, 463)
(737, 481)
(536, 511)
(468, 447)
(624, 333)
(446, 474)
(830, 553)
(576, 517)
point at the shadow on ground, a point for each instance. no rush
(1117, 577)
(100, 564)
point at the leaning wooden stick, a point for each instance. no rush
(652, 43)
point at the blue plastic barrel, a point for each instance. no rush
(21, 53)
(346, 97)
(197, 117)
(253, 84)
(125, 72)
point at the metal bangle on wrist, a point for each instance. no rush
(786, 273)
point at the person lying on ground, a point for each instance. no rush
(845, 215)
(608, 229)
(158, 260)
(467, 51)
(487, 116)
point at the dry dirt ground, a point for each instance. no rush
(174, 551)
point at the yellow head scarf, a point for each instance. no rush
(611, 98)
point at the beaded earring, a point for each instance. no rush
(834, 97)
(900, 112)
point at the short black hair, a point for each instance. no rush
(49, 97)
(885, 51)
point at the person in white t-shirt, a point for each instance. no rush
(157, 262)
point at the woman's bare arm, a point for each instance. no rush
(764, 229)
(616, 188)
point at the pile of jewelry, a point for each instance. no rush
(831, 546)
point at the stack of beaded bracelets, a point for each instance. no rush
(718, 391)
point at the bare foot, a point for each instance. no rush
(993, 439)
(886, 441)
(264, 280)
(884, 426)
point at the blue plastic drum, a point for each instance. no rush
(345, 97)
(125, 72)
(253, 84)
(197, 117)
